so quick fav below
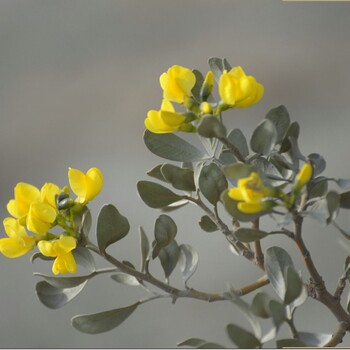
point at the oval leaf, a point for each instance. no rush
(241, 337)
(276, 262)
(84, 258)
(144, 245)
(264, 137)
(63, 282)
(289, 343)
(179, 178)
(237, 138)
(111, 226)
(280, 118)
(249, 234)
(314, 339)
(169, 257)
(172, 147)
(188, 261)
(260, 305)
(53, 297)
(211, 126)
(155, 195)
(126, 279)
(207, 224)
(212, 182)
(294, 285)
(102, 321)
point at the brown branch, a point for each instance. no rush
(261, 282)
(338, 336)
(259, 255)
(319, 290)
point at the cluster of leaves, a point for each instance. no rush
(202, 176)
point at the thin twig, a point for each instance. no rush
(261, 282)
(259, 255)
(338, 336)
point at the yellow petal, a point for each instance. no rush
(77, 182)
(13, 229)
(12, 248)
(304, 176)
(47, 248)
(227, 88)
(94, 183)
(64, 263)
(250, 208)
(40, 217)
(48, 194)
(235, 194)
(167, 106)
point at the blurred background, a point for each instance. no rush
(77, 78)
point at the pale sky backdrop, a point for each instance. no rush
(77, 78)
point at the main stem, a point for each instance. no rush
(318, 287)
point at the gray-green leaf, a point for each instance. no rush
(102, 321)
(144, 245)
(241, 337)
(280, 118)
(188, 261)
(169, 256)
(249, 234)
(155, 195)
(212, 182)
(210, 127)
(125, 278)
(53, 297)
(294, 285)
(179, 178)
(207, 224)
(111, 226)
(264, 137)
(172, 147)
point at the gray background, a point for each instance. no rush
(77, 78)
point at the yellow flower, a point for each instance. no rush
(251, 194)
(61, 249)
(303, 177)
(239, 90)
(41, 217)
(166, 120)
(177, 83)
(207, 86)
(18, 242)
(25, 194)
(85, 186)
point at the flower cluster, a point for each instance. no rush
(40, 210)
(236, 89)
(254, 196)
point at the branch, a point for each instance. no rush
(259, 255)
(320, 291)
(338, 336)
(261, 282)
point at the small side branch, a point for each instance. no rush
(259, 255)
(261, 282)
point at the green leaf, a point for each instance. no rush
(318, 163)
(200, 344)
(83, 221)
(155, 195)
(53, 297)
(292, 343)
(344, 200)
(250, 234)
(196, 90)
(212, 182)
(188, 261)
(179, 178)
(317, 187)
(210, 127)
(84, 258)
(63, 282)
(294, 285)
(237, 138)
(231, 207)
(241, 337)
(164, 232)
(111, 226)
(278, 313)
(333, 201)
(207, 224)
(276, 262)
(217, 66)
(314, 339)
(172, 147)
(169, 256)
(293, 131)
(144, 245)
(102, 321)
(279, 116)
(238, 170)
(264, 137)
(125, 279)
(156, 173)
(260, 305)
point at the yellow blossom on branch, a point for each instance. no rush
(166, 120)
(61, 249)
(85, 186)
(177, 83)
(251, 194)
(303, 177)
(18, 242)
(239, 90)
